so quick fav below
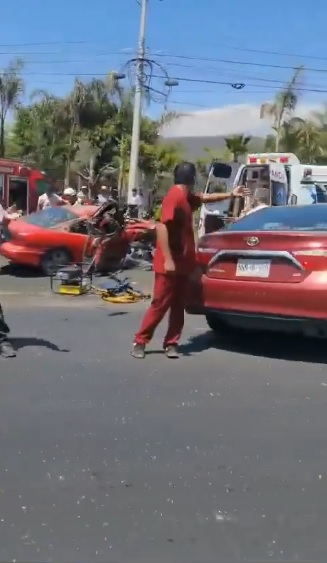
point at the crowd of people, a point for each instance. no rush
(137, 205)
(70, 196)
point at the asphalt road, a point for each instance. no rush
(219, 456)
(16, 281)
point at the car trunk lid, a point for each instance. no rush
(268, 257)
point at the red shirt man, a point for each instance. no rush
(174, 259)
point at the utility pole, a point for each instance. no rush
(133, 169)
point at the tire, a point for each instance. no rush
(53, 259)
(215, 324)
(221, 329)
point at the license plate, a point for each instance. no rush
(253, 268)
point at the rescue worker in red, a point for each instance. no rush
(175, 259)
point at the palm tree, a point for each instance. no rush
(309, 138)
(320, 117)
(48, 130)
(289, 135)
(237, 145)
(71, 114)
(11, 90)
(282, 107)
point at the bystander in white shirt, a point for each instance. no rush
(49, 200)
(104, 195)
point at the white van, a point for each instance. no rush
(268, 167)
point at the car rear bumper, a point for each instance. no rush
(24, 255)
(307, 299)
(316, 328)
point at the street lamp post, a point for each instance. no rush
(135, 144)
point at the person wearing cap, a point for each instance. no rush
(175, 259)
(70, 196)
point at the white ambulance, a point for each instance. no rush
(289, 183)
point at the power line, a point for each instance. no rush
(91, 60)
(179, 78)
(233, 62)
(279, 54)
(172, 56)
(207, 69)
(237, 74)
(59, 42)
(106, 41)
(224, 83)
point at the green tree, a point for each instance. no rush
(89, 131)
(237, 145)
(309, 140)
(41, 133)
(283, 107)
(11, 90)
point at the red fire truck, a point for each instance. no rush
(21, 185)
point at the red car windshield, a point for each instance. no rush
(50, 217)
(292, 218)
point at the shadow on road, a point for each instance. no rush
(24, 342)
(20, 271)
(267, 345)
(118, 314)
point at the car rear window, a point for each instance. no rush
(295, 218)
(50, 217)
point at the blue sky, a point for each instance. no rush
(67, 38)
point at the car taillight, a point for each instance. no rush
(314, 252)
(313, 258)
(204, 255)
(207, 247)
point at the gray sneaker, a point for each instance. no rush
(138, 351)
(171, 352)
(6, 349)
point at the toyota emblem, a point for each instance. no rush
(252, 241)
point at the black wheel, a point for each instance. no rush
(216, 325)
(221, 329)
(54, 259)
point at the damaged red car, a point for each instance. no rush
(59, 236)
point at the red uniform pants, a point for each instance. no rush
(169, 294)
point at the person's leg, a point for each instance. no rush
(163, 293)
(176, 317)
(6, 348)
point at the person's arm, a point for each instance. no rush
(239, 191)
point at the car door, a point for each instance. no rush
(221, 178)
